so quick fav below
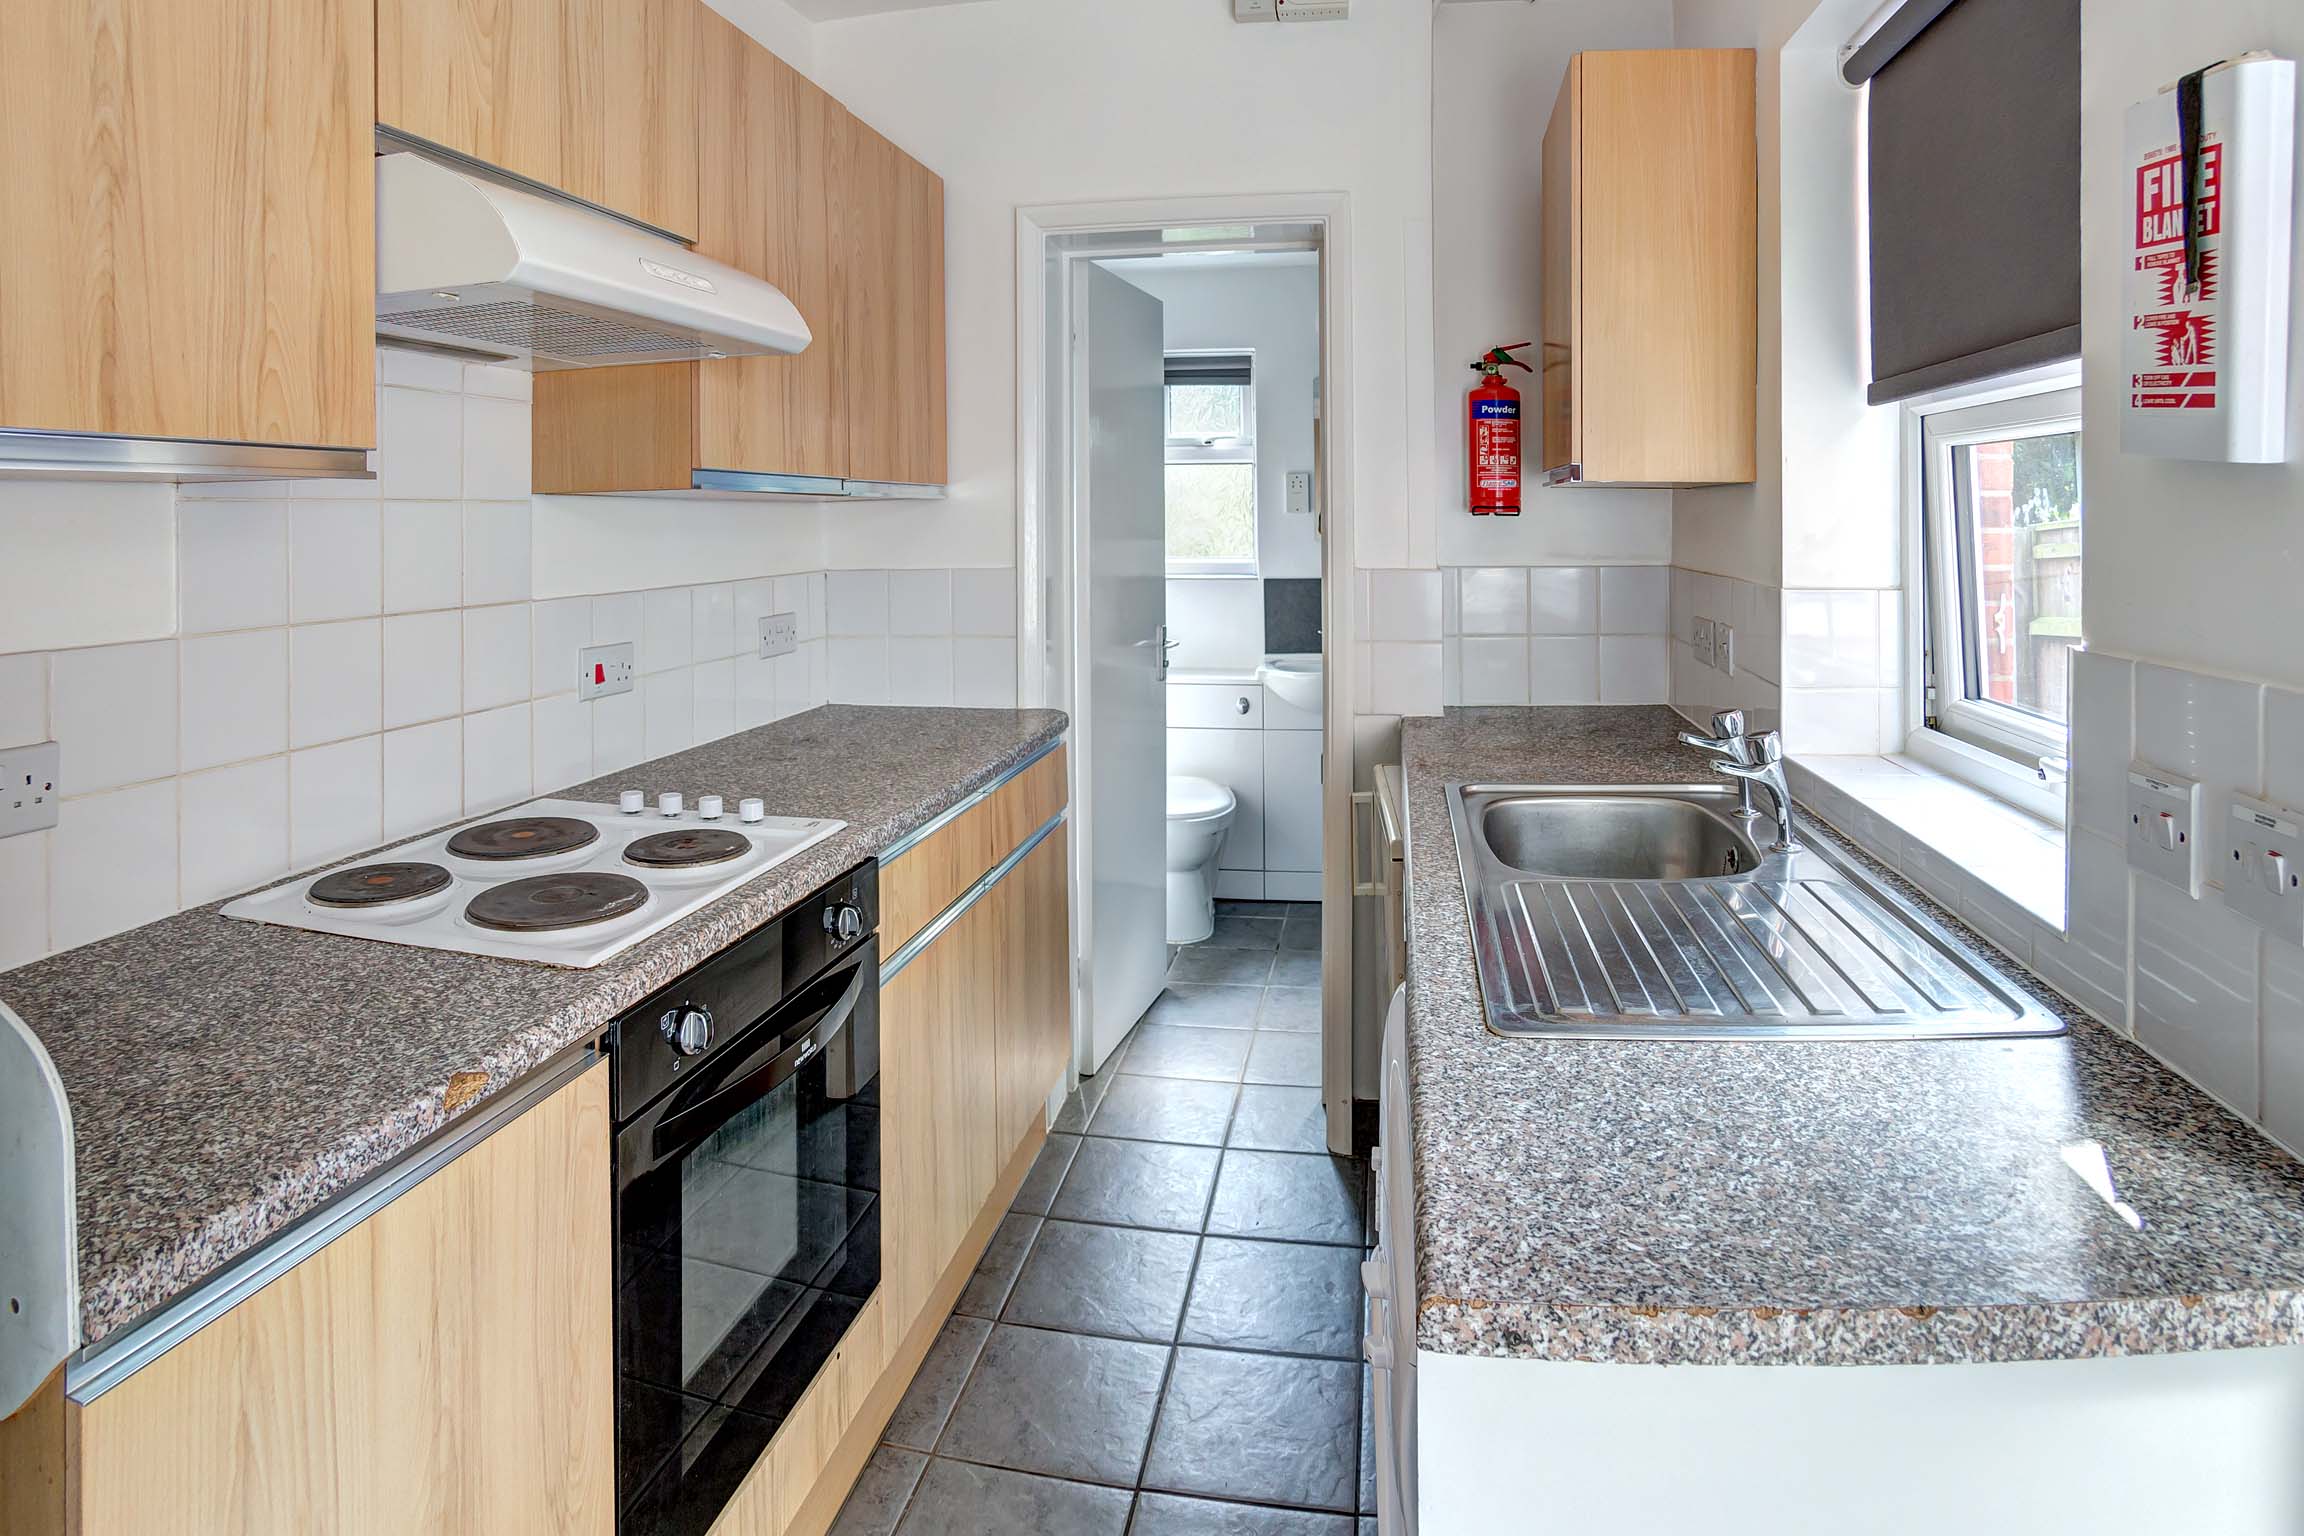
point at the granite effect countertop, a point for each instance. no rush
(1804, 1203)
(227, 1077)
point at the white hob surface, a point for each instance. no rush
(438, 920)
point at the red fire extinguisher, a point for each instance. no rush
(1494, 474)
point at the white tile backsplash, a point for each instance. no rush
(1493, 600)
(335, 681)
(23, 699)
(497, 666)
(113, 707)
(1491, 669)
(712, 622)
(1563, 669)
(234, 697)
(420, 446)
(234, 828)
(2196, 1000)
(856, 602)
(668, 711)
(231, 565)
(2100, 743)
(497, 758)
(667, 629)
(2284, 747)
(497, 552)
(1404, 605)
(1564, 600)
(934, 637)
(984, 604)
(335, 800)
(1532, 635)
(2202, 727)
(112, 863)
(423, 667)
(1635, 668)
(920, 670)
(335, 560)
(495, 449)
(1635, 600)
(423, 555)
(919, 603)
(424, 777)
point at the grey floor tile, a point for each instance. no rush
(1302, 930)
(1174, 1050)
(1367, 1441)
(1368, 1525)
(1039, 1186)
(1166, 1514)
(1138, 1184)
(1061, 1404)
(1286, 1298)
(1258, 1427)
(1232, 907)
(1294, 1009)
(1273, 1118)
(1228, 967)
(1122, 1282)
(955, 1499)
(877, 1501)
(1288, 1196)
(987, 1289)
(1208, 1007)
(1303, 909)
(1295, 968)
(1166, 1109)
(1285, 1058)
(1243, 933)
(927, 1403)
(1081, 1102)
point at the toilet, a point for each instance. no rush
(1199, 811)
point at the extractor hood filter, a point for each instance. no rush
(467, 263)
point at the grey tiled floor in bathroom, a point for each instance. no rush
(1164, 1336)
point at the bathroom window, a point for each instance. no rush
(2000, 521)
(1211, 484)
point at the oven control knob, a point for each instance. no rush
(844, 921)
(668, 803)
(631, 801)
(750, 808)
(708, 807)
(689, 1029)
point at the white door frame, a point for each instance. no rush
(1047, 544)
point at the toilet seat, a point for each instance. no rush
(1197, 799)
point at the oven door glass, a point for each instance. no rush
(748, 1221)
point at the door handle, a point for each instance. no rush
(1160, 645)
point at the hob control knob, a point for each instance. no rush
(844, 921)
(708, 807)
(668, 803)
(688, 1029)
(631, 801)
(751, 810)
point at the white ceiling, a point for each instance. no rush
(845, 10)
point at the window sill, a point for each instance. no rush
(2001, 870)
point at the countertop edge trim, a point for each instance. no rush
(962, 807)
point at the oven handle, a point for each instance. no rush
(685, 1127)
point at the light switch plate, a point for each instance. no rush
(779, 634)
(29, 787)
(2262, 866)
(1300, 492)
(1702, 635)
(604, 669)
(2164, 826)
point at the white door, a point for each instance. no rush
(1121, 581)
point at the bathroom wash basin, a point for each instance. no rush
(1296, 679)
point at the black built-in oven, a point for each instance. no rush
(747, 1198)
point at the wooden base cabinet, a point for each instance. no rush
(445, 1367)
(1650, 270)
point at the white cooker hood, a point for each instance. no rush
(468, 263)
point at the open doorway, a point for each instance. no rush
(1187, 504)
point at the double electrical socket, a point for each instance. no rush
(604, 670)
(2264, 874)
(779, 634)
(28, 787)
(1715, 645)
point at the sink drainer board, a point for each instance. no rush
(1802, 946)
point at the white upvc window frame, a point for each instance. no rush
(1220, 450)
(2006, 752)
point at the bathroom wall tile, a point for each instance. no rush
(1635, 669)
(2284, 1042)
(235, 829)
(1404, 679)
(2196, 989)
(558, 631)
(712, 632)
(497, 552)
(423, 667)
(335, 681)
(856, 602)
(424, 777)
(423, 555)
(335, 800)
(668, 710)
(667, 629)
(562, 740)
(919, 671)
(859, 666)
(112, 863)
(1493, 599)
(23, 698)
(335, 560)
(2100, 748)
(232, 564)
(112, 709)
(495, 449)
(2202, 727)
(1564, 600)
(984, 602)
(235, 697)
(1635, 600)
(497, 667)
(1831, 639)
(498, 760)
(715, 698)
(919, 603)
(1563, 669)
(984, 673)
(420, 450)
(619, 732)
(1491, 669)
(2284, 747)
(1404, 605)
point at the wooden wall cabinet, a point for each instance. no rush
(594, 97)
(190, 245)
(891, 298)
(1650, 270)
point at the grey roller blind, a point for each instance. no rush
(1974, 177)
(1209, 368)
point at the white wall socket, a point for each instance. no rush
(2262, 866)
(1702, 635)
(1724, 648)
(2164, 826)
(28, 787)
(603, 670)
(779, 634)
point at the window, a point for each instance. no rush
(2000, 524)
(1211, 492)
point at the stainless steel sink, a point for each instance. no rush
(1649, 912)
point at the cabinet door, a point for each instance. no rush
(1035, 1016)
(889, 211)
(1557, 291)
(765, 147)
(190, 236)
(446, 1366)
(628, 108)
